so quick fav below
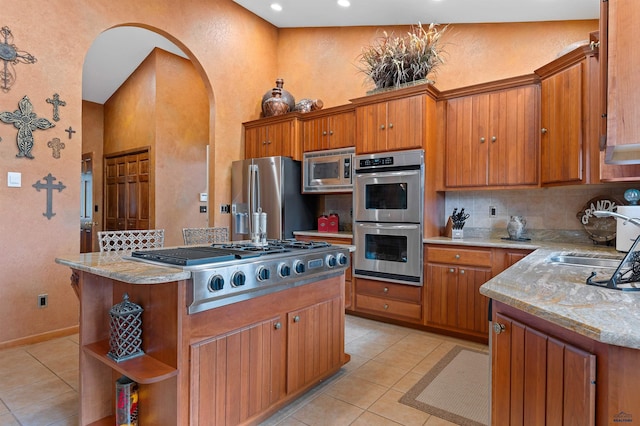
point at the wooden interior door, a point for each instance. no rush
(86, 204)
(127, 192)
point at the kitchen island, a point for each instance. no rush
(233, 364)
(561, 349)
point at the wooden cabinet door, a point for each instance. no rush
(314, 134)
(371, 125)
(405, 123)
(255, 140)
(341, 130)
(238, 374)
(314, 342)
(537, 379)
(623, 79)
(453, 299)
(561, 143)
(512, 137)
(466, 153)
(127, 192)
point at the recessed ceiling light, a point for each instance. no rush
(276, 6)
(344, 3)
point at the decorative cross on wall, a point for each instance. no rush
(25, 120)
(49, 186)
(56, 102)
(70, 131)
(56, 145)
(11, 56)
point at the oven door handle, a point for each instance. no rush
(367, 225)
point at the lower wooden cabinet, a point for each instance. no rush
(396, 301)
(315, 336)
(538, 379)
(240, 373)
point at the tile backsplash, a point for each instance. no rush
(544, 208)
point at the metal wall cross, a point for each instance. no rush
(11, 56)
(70, 131)
(26, 121)
(49, 186)
(56, 102)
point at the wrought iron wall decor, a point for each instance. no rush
(49, 186)
(56, 102)
(11, 56)
(26, 121)
(56, 146)
(70, 131)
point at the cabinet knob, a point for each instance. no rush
(482, 140)
(462, 271)
(452, 270)
(457, 256)
(386, 290)
(391, 125)
(324, 133)
(382, 127)
(296, 319)
(264, 142)
(543, 131)
(277, 326)
(330, 132)
(386, 306)
(498, 328)
(493, 138)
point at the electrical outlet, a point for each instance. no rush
(43, 300)
(203, 209)
(225, 208)
(492, 211)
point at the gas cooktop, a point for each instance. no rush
(202, 255)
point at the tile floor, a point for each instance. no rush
(39, 383)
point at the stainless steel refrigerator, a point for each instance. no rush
(271, 184)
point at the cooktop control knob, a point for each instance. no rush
(238, 279)
(342, 259)
(298, 267)
(284, 270)
(331, 261)
(262, 273)
(216, 283)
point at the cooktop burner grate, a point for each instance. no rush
(189, 256)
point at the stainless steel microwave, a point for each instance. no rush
(328, 171)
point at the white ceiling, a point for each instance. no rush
(116, 53)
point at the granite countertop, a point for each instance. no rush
(559, 294)
(112, 264)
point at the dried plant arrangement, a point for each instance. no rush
(392, 61)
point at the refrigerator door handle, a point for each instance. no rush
(253, 193)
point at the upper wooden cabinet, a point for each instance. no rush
(569, 116)
(394, 120)
(329, 129)
(492, 135)
(623, 80)
(273, 136)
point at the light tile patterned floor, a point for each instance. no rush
(39, 383)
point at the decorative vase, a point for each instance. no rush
(275, 105)
(308, 105)
(286, 96)
(515, 227)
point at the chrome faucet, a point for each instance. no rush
(606, 213)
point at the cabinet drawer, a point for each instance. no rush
(459, 256)
(388, 307)
(389, 291)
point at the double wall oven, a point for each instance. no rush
(388, 203)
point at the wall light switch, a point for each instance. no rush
(203, 197)
(14, 179)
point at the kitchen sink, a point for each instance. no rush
(577, 259)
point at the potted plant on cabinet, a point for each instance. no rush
(393, 62)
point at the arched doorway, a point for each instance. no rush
(124, 113)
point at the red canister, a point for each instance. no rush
(323, 223)
(334, 220)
